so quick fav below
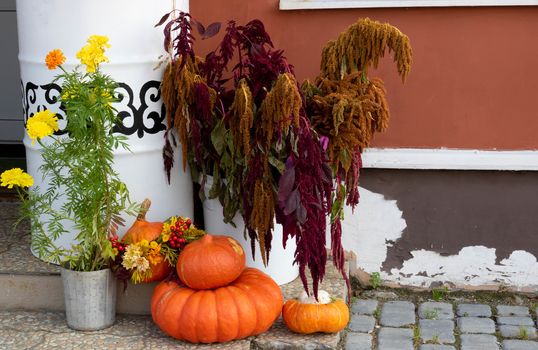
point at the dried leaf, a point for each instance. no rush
(292, 203)
(199, 27)
(286, 184)
(162, 20)
(301, 214)
(211, 30)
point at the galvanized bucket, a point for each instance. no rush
(90, 299)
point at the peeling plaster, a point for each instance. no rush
(474, 265)
(378, 224)
(371, 229)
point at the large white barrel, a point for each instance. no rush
(135, 49)
(280, 266)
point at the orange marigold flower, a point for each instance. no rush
(54, 59)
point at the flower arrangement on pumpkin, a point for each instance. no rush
(149, 250)
(277, 151)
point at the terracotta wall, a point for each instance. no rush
(474, 82)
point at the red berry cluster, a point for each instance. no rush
(177, 233)
(117, 244)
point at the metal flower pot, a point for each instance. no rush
(90, 299)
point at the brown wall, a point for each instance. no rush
(474, 82)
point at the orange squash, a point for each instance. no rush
(210, 262)
(143, 229)
(309, 317)
(248, 306)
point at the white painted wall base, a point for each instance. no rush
(449, 159)
(347, 4)
(378, 222)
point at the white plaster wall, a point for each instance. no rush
(378, 223)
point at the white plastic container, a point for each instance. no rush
(136, 45)
(280, 266)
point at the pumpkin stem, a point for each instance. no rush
(144, 207)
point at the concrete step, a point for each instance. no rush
(32, 295)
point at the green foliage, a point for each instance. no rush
(377, 312)
(375, 280)
(416, 336)
(431, 314)
(439, 294)
(523, 333)
(79, 171)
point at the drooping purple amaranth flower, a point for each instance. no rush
(324, 141)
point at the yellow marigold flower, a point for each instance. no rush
(144, 243)
(166, 228)
(99, 40)
(54, 58)
(41, 124)
(155, 258)
(93, 53)
(154, 245)
(16, 177)
(165, 236)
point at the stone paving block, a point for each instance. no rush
(476, 325)
(437, 330)
(519, 345)
(510, 310)
(479, 342)
(362, 323)
(395, 339)
(358, 341)
(364, 307)
(436, 311)
(473, 310)
(515, 321)
(436, 347)
(397, 314)
(522, 332)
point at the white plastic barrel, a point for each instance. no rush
(136, 45)
(280, 266)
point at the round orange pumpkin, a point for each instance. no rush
(248, 306)
(142, 229)
(210, 262)
(306, 318)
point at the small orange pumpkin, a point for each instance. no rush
(248, 306)
(307, 316)
(143, 229)
(210, 262)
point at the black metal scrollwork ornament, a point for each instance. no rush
(149, 93)
(137, 115)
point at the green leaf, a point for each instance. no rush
(345, 159)
(107, 252)
(218, 137)
(277, 163)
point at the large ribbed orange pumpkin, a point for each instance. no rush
(142, 229)
(311, 318)
(210, 262)
(248, 306)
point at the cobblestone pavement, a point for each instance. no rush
(381, 323)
